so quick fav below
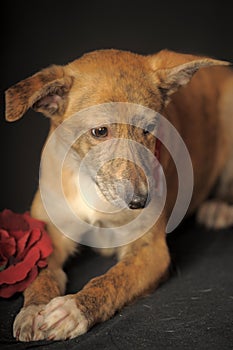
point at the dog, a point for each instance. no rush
(194, 94)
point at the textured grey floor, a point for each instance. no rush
(192, 310)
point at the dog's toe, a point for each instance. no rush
(215, 214)
(62, 319)
(26, 324)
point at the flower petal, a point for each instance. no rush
(25, 245)
(45, 245)
(12, 221)
(7, 291)
(7, 249)
(42, 263)
(3, 234)
(26, 242)
(17, 234)
(22, 238)
(32, 222)
(18, 272)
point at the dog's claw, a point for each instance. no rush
(55, 312)
(25, 328)
(43, 327)
(17, 334)
(51, 337)
(34, 324)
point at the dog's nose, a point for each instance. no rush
(138, 202)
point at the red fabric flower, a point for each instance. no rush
(24, 248)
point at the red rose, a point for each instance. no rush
(24, 247)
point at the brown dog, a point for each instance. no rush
(200, 111)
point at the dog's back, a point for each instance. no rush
(202, 112)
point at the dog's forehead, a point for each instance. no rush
(109, 60)
(112, 70)
(111, 76)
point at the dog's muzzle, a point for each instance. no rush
(130, 195)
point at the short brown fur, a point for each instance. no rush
(201, 113)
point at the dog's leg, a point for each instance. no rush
(50, 283)
(215, 214)
(218, 212)
(143, 265)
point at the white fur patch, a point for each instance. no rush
(25, 326)
(61, 319)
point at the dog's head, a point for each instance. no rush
(108, 76)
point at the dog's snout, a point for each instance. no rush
(138, 202)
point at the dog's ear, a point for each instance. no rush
(172, 70)
(46, 92)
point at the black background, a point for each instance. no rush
(39, 33)
(194, 309)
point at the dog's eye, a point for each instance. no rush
(150, 128)
(102, 131)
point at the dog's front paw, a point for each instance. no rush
(61, 319)
(26, 324)
(215, 214)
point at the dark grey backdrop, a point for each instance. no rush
(194, 309)
(39, 33)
